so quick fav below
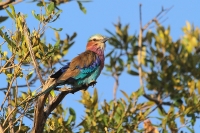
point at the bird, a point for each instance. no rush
(82, 71)
(85, 68)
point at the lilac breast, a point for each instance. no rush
(100, 53)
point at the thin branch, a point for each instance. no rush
(27, 99)
(12, 80)
(28, 40)
(7, 93)
(116, 84)
(21, 116)
(6, 64)
(19, 86)
(140, 49)
(158, 102)
(6, 3)
(11, 124)
(156, 18)
(29, 117)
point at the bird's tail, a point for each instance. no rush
(50, 84)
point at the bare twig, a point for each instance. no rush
(8, 91)
(5, 88)
(11, 124)
(157, 17)
(158, 102)
(140, 49)
(12, 80)
(116, 84)
(6, 64)
(28, 40)
(21, 116)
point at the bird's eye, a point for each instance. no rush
(94, 39)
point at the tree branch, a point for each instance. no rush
(6, 3)
(1, 129)
(28, 40)
(40, 113)
(156, 18)
(60, 97)
(158, 102)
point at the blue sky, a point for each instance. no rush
(101, 15)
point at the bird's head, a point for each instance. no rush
(96, 42)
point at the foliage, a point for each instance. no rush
(15, 65)
(169, 68)
(114, 116)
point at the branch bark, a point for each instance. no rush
(40, 113)
(1, 129)
(5, 4)
(116, 84)
(140, 49)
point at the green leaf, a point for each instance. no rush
(33, 93)
(50, 8)
(81, 7)
(9, 14)
(29, 75)
(40, 4)
(140, 91)
(60, 29)
(57, 45)
(109, 54)
(69, 120)
(3, 18)
(36, 16)
(124, 93)
(133, 72)
(110, 33)
(58, 12)
(12, 9)
(73, 36)
(72, 113)
(121, 62)
(4, 36)
(191, 130)
(95, 97)
(105, 120)
(52, 93)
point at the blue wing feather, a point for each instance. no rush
(83, 70)
(61, 71)
(89, 74)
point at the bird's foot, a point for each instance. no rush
(93, 83)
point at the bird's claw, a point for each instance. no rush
(93, 83)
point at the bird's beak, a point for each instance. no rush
(104, 40)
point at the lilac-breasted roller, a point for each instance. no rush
(84, 69)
